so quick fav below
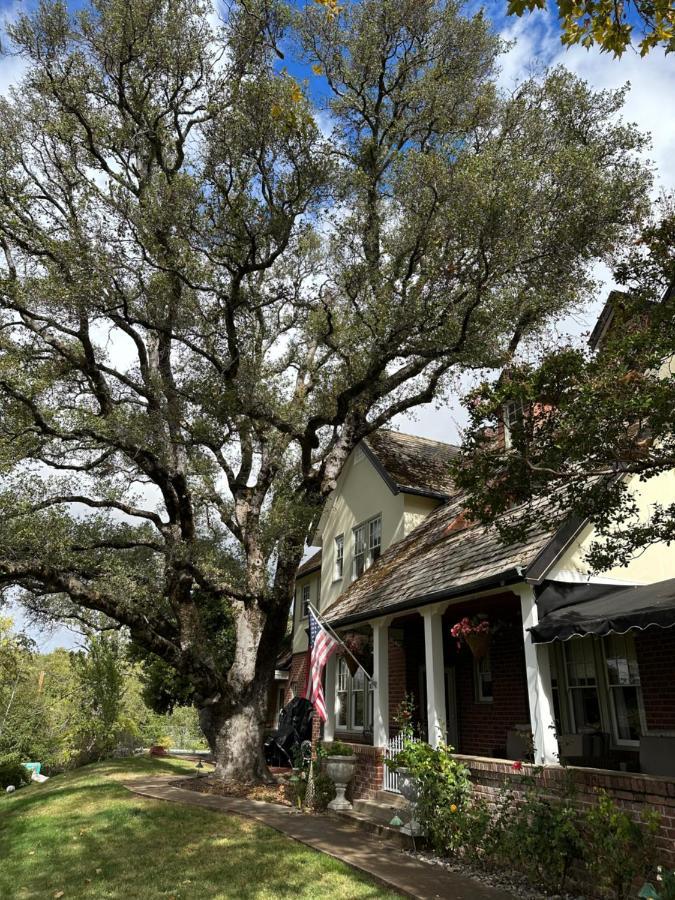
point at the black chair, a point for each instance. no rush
(295, 726)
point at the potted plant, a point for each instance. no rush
(340, 764)
(406, 762)
(475, 633)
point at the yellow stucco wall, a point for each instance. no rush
(655, 563)
(361, 494)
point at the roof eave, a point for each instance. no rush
(509, 576)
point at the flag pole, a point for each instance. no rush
(324, 624)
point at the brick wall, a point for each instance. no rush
(483, 726)
(655, 650)
(369, 773)
(634, 793)
(297, 677)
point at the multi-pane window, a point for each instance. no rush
(339, 556)
(483, 677)
(623, 679)
(511, 414)
(305, 600)
(342, 680)
(582, 685)
(367, 545)
(353, 700)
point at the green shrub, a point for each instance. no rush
(12, 771)
(324, 791)
(334, 748)
(619, 848)
(537, 832)
(445, 787)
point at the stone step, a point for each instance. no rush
(369, 825)
(379, 811)
(396, 800)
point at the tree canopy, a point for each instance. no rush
(611, 26)
(207, 300)
(592, 423)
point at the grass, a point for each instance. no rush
(83, 835)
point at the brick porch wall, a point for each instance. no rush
(369, 774)
(634, 793)
(655, 650)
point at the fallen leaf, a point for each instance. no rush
(98, 871)
(58, 894)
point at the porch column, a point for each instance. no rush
(329, 697)
(435, 665)
(539, 689)
(381, 677)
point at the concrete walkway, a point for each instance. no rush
(377, 859)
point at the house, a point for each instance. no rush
(580, 667)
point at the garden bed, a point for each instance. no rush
(209, 784)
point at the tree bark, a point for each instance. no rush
(235, 736)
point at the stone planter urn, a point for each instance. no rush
(410, 790)
(340, 770)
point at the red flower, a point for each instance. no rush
(517, 766)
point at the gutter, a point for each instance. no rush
(507, 577)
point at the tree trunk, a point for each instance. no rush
(234, 724)
(235, 736)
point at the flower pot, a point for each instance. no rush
(340, 770)
(478, 643)
(410, 790)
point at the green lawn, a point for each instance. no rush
(85, 835)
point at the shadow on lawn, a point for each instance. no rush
(93, 839)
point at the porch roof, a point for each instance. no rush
(445, 556)
(613, 610)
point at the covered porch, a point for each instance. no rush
(480, 705)
(605, 700)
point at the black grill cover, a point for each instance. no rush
(575, 610)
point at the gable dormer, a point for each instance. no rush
(389, 484)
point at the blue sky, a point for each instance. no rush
(536, 43)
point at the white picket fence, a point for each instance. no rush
(390, 777)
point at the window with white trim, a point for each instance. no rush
(353, 699)
(623, 682)
(339, 557)
(511, 413)
(483, 679)
(305, 600)
(367, 539)
(582, 685)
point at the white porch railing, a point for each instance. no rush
(390, 778)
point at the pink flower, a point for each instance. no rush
(517, 766)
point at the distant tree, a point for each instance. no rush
(101, 671)
(612, 26)
(206, 304)
(589, 424)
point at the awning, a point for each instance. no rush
(576, 610)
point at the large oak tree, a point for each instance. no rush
(206, 301)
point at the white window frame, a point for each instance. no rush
(305, 600)
(511, 412)
(598, 687)
(370, 528)
(622, 742)
(608, 721)
(339, 564)
(478, 679)
(344, 684)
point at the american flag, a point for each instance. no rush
(321, 648)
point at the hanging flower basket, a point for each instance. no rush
(478, 644)
(359, 645)
(475, 633)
